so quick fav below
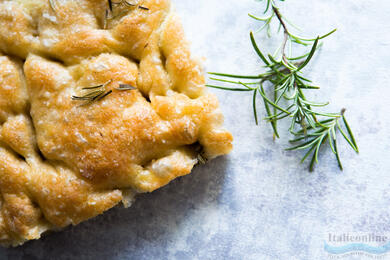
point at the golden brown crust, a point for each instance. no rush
(62, 162)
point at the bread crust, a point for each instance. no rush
(63, 161)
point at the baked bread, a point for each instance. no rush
(140, 115)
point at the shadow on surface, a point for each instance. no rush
(141, 231)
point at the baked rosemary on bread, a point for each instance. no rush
(99, 101)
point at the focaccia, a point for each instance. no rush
(99, 100)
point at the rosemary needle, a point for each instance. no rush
(125, 87)
(110, 5)
(109, 13)
(52, 5)
(143, 8)
(311, 129)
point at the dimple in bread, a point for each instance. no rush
(63, 161)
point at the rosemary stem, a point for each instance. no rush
(286, 33)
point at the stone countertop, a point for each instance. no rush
(260, 202)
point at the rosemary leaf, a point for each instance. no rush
(126, 87)
(254, 106)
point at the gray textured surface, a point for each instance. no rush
(259, 202)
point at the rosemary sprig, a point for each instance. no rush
(310, 128)
(95, 93)
(315, 137)
(99, 92)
